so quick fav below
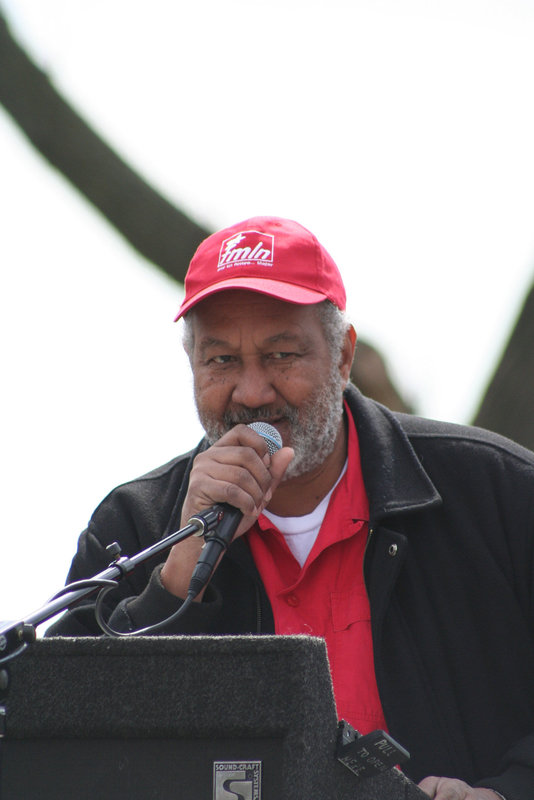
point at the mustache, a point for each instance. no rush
(262, 414)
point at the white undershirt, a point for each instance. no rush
(300, 533)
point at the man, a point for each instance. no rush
(406, 543)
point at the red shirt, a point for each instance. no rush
(327, 596)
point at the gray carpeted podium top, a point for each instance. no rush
(205, 689)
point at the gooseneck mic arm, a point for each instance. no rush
(223, 519)
(15, 636)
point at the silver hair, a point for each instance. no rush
(335, 327)
(188, 337)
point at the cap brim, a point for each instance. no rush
(283, 291)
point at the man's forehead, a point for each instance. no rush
(262, 318)
(207, 340)
(240, 303)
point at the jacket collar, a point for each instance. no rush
(394, 477)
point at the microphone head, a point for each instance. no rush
(270, 434)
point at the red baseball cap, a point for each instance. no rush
(269, 255)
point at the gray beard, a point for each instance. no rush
(314, 426)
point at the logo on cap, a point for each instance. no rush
(247, 247)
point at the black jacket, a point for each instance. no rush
(449, 570)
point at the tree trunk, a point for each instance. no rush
(508, 405)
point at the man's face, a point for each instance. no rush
(256, 358)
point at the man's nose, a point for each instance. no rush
(253, 387)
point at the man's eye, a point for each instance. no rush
(279, 356)
(220, 359)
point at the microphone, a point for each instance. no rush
(228, 521)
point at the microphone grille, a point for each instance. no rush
(269, 433)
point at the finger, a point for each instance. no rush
(280, 461)
(429, 785)
(447, 789)
(244, 436)
(215, 471)
(266, 480)
(245, 447)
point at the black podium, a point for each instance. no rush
(181, 718)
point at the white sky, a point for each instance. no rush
(399, 132)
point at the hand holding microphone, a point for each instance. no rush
(239, 474)
(230, 517)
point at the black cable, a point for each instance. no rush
(109, 631)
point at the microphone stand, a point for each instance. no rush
(16, 636)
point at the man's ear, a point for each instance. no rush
(347, 354)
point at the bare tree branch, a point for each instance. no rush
(152, 225)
